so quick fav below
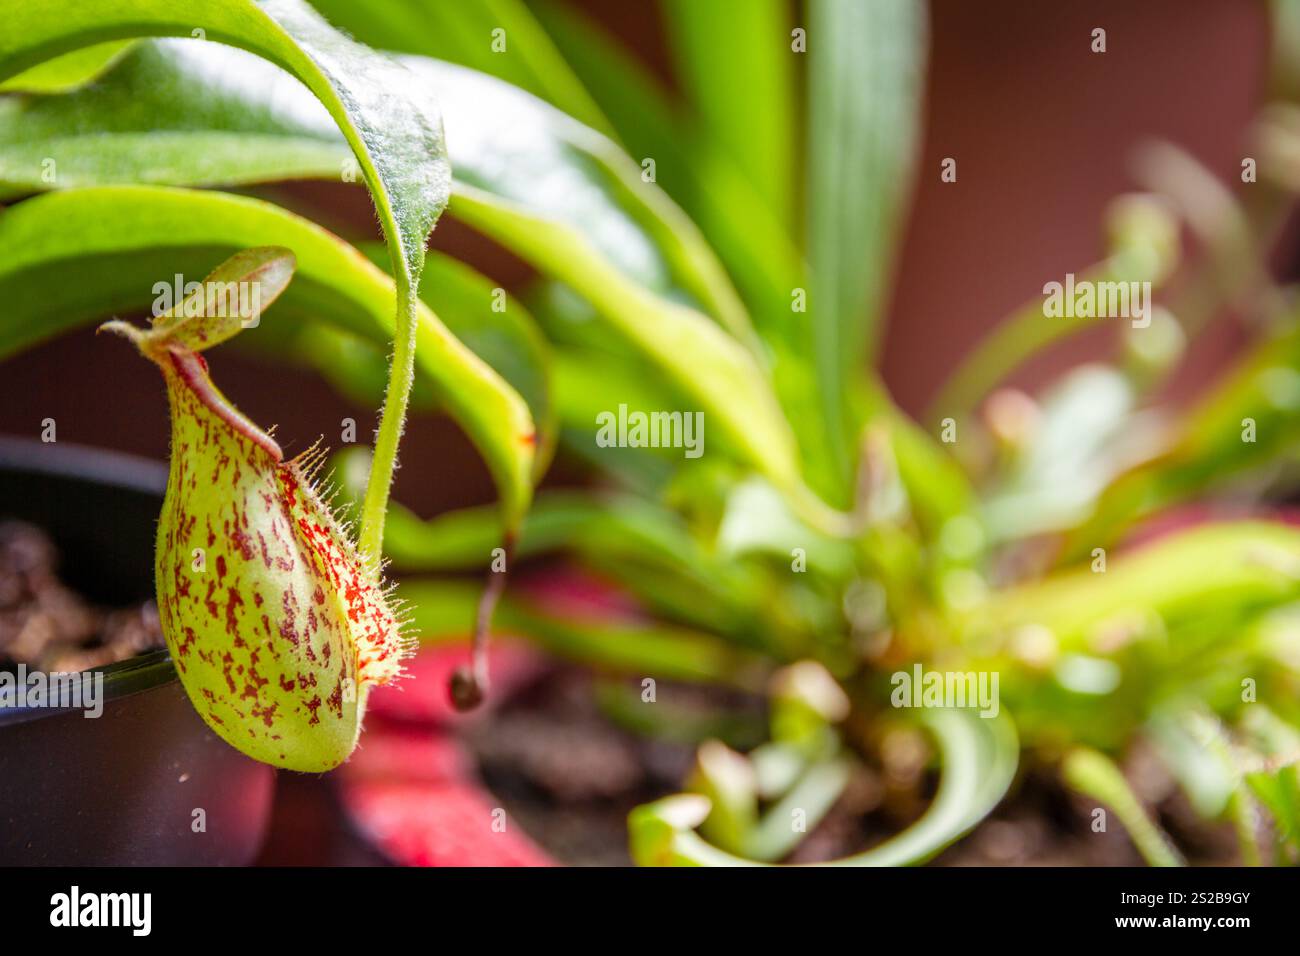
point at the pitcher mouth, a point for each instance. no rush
(192, 369)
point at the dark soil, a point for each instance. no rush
(47, 626)
(570, 775)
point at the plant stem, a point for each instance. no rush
(1093, 774)
(401, 375)
(469, 685)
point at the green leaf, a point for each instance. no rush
(603, 527)
(642, 546)
(356, 367)
(1190, 744)
(67, 72)
(1198, 751)
(815, 793)
(1143, 238)
(735, 60)
(737, 219)
(695, 354)
(1280, 793)
(556, 193)
(693, 168)
(635, 102)
(596, 370)
(937, 488)
(397, 138)
(865, 73)
(1209, 449)
(1277, 782)
(979, 759)
(1077, 447)
(1213, 572)
(738, 191)
(757, 520)
(121, 240)
(390, 122)
(511, 149)
(1094, 774)
(172, 112)
(464, 33)
(611, 525)
(508, 340)
(728, 780)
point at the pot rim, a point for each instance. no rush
(114, 469)
(98, 465)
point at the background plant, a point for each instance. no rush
(974, 555)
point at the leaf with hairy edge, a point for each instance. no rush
(1274, 776)
(500, 331)
(277, 627)
(122, 239)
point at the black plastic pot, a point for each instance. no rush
(124, 788)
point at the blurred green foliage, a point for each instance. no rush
(729, 247)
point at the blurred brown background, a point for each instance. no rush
(1042, 130)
